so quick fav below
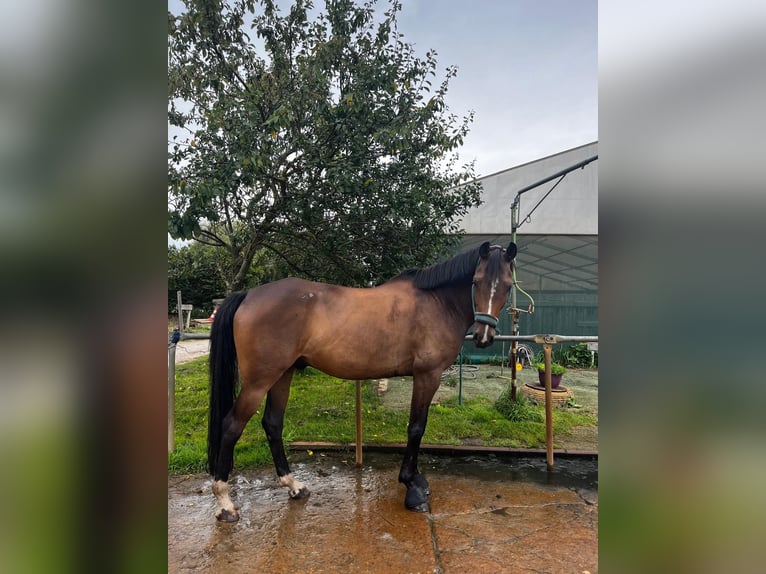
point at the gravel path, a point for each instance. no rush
(191, 349)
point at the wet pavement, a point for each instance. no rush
(488, 514)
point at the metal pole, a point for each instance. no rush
(557, 174)
(358, 423)
(548, 407)
(502, 360)
(171, 397)
(514, 313)
(514, 346)
(543, 339)
(180, 314)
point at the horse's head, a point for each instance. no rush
(492, 281)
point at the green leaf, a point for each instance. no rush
(319, 138)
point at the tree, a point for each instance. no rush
(323, 141)
(192, 270)
(199, 272)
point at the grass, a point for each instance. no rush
(321, 408)
(173, 324)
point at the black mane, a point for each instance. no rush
(459, 269)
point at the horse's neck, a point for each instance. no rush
(456, 299)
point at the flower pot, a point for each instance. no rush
(555, 379)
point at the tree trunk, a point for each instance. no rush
(242, 263)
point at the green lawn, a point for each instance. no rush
(321, 408)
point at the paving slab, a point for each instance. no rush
(487, 515)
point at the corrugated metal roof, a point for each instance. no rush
(558, 246)
(572, 208)
(550, 262)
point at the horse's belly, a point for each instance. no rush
(391, 359)
(355, 365)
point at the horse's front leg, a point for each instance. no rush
(423, 388)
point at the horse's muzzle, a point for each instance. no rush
(483, 335)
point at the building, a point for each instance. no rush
(557, 261)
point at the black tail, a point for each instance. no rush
(223, 373)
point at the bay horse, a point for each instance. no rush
(414, 324)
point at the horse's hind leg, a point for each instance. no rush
(273, 422)
(246, 405)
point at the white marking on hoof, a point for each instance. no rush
(221, 491)
(295, 487)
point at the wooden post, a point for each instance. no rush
(514, 360)
(188, 309)
(460, 379)
(548, 407)
(358, 423)
(171, 397)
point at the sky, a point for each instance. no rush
(527, 68)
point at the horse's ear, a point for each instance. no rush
(484, 250)
(510, 253)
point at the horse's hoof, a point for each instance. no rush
(299, 494)
(421, 482)
(227, 516)
(416, 500)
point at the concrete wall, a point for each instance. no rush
(572, 208)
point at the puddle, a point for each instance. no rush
(580, 473)
(483, 508)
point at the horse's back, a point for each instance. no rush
(269, 325)
(353, 333)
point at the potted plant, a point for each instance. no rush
(557, 371)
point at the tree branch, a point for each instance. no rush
(289, 263)
(215, 241)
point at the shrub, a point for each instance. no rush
(579, 356)
(556, 369)
(519, 410)
(192, 270)
(574, 356)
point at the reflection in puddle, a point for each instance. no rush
(355, 518)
